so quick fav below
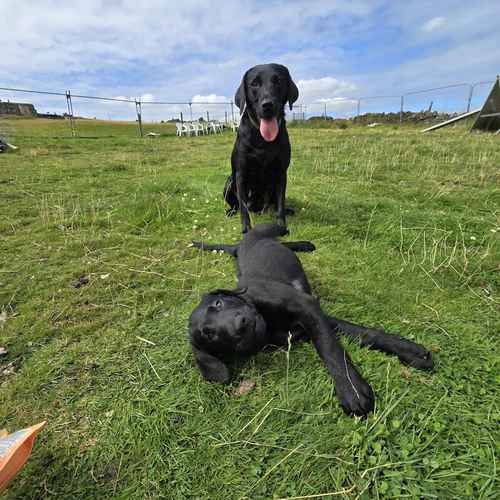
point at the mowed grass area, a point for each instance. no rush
(407, 233)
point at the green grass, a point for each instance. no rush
(407, 230)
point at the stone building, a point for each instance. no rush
(17, 108)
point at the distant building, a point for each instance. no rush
(17, 108)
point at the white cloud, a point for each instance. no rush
(434, 24)
(215, 105)
(211, 98)
(324, 89)
(327, 93)
(174, 50)
(87, 35)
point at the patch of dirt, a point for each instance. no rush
(245, 387)
(88, 306)
(9, 369)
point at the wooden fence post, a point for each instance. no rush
(138, 109)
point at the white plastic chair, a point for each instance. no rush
(235, 124)
(193, 128)
(181, 129)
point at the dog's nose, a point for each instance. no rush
(267, 106)
(208, 332)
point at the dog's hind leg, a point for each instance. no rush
(299, 246)
(230, 249)
(408, 352)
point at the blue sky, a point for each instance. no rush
(198, 50)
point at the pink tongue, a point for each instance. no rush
(269, 129)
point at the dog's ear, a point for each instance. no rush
(293, 92)
(211, 368)
(240, 98)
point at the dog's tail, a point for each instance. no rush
(230, 249)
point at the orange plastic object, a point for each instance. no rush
(15, 449)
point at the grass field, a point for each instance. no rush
(407, 233)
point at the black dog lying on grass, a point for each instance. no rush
(273, 305)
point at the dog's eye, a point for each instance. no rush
(255, 82)
(275, 80)
(218, 304)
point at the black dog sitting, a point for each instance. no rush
(261, 153)
(273, 301)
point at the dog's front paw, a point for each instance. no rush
(355, 394)
(415, 355)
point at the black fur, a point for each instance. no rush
(259, 168)
(273, 301)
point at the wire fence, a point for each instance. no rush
(87, 115)
(448, 99)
